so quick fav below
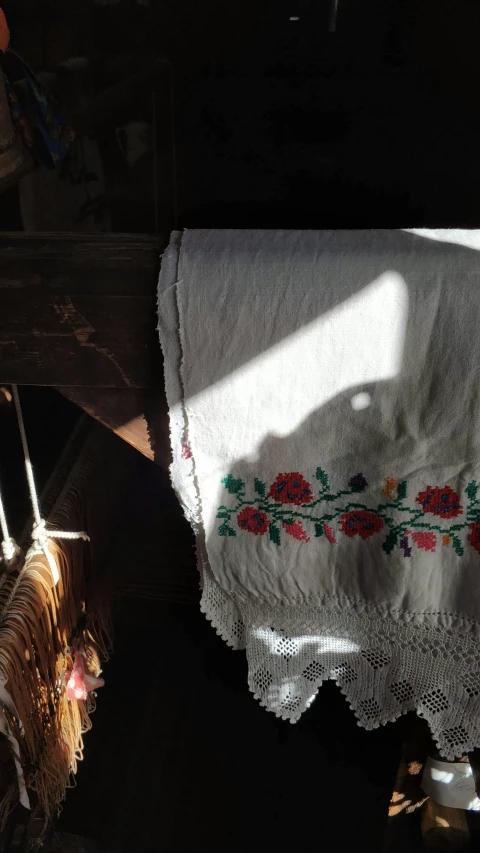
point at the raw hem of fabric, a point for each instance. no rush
(182, 469)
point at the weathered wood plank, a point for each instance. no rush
(78, 310)
(138, 417)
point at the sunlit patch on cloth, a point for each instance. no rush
(326, 385)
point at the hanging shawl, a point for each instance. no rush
(324, 396)
(52, 632)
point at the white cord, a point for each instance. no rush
(40, 533)
(332, 25)
(10, 549)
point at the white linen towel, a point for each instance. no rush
(324, 401)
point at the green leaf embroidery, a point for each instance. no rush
(323, 477)
(457, 545)
(274, 534)
(264, 507)
(233, 485)
(260, 487)
(226, 530)
(472, 490)
(390, 542)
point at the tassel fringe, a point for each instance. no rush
(41, 624)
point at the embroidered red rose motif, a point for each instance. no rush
(271, 510)
(474, 536)
(361, 523)
(253, 520)
(444, 502)
(291, 489)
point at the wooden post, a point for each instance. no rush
(441, 828)
(444, 828)
(408, 796)
(139, 417)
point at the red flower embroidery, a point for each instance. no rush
(361, 523)
(253, 520)
(425, 540)
(474, 536)
(186, 452)
(291, 489)
(296, 530)
(443, 502)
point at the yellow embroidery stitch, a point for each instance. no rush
(390, 487)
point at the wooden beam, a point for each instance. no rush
(79, 310)
(138, 417)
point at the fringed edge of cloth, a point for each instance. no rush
(44, 624)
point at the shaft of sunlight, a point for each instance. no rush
(459, 236)
(274, 641)
(358, 342)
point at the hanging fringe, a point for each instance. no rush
(43, 623)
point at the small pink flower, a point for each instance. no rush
(80, 683)
(186, 452)
(296, 530)
(329, 534)
(426, 540)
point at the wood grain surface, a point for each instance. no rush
(78, 310)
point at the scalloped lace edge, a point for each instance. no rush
(383, 667)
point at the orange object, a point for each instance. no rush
(4, 32)
(390, 487)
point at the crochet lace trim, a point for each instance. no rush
(384, 667)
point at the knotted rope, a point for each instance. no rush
(40, 533)
(10, 549)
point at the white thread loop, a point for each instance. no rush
(10, 549)
(40, 533)
(40, 544)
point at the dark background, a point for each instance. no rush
(259, 121)
(279, 122)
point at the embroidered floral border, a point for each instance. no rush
(291, 504)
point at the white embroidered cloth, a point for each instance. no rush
(324, 402)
